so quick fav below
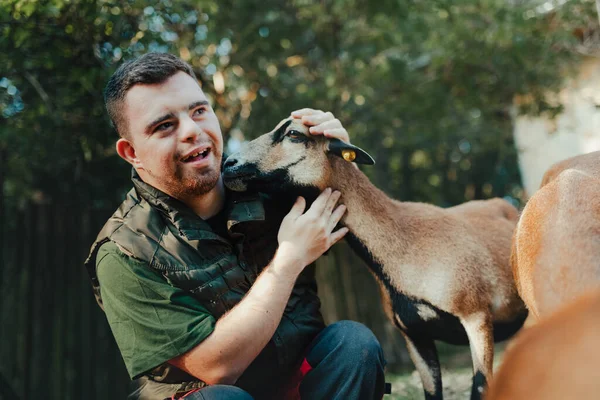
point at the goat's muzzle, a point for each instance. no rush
(236, 176)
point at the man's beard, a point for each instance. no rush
(183, 187)
(186, 187)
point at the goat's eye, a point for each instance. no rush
(296, 135)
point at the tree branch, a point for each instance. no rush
(38, 88)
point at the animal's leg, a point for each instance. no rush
(424, 355)
(479, 329)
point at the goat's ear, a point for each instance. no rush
(349, 152)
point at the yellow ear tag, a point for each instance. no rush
(349, 155)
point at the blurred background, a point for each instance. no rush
(456, 100)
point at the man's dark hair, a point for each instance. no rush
(151, 68)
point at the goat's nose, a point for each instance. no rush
(230, 162)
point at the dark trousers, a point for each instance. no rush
(347, 363)
(219, 392)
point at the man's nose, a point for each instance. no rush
(189, 130)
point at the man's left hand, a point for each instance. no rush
(322, 123)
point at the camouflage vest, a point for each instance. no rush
(161, 231)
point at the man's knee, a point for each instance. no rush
(355, 335)
(347, 362)
(220, 392)
(350, 337)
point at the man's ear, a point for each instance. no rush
(349, 152)
(126, 151)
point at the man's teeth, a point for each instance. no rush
(200, 153)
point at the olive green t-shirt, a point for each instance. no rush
(152, 321)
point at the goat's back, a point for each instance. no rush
(556, 359)
(588, 163)
(556, 246)
(496, 209)
(492, 222)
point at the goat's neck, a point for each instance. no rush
(370, 212)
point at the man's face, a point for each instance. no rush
(175, 135)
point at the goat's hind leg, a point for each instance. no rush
(480, 331)
(424, 355)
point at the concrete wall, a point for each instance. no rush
(542, 141)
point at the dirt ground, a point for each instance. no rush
(456, 377)
(456, 383)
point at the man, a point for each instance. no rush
(207, 291)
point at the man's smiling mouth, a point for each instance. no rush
(196, 156)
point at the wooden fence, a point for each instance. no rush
(55, 341)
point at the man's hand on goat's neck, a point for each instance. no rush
(305, 236)
(322, 123)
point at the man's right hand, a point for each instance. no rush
(305, 236)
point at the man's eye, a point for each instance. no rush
(164, 126)
(199, 111)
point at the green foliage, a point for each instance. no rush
(426, 87)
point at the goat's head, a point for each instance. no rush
(288, 158)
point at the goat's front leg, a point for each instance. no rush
(424, 355)
(480, 331)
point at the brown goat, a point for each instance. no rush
(556, 359)
(556, 246)
(444, 273)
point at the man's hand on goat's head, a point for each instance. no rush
(322, 123)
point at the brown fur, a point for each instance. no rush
(471, 240)
(556, 359)
(586, 162)
(556, 246)
(456, 259)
